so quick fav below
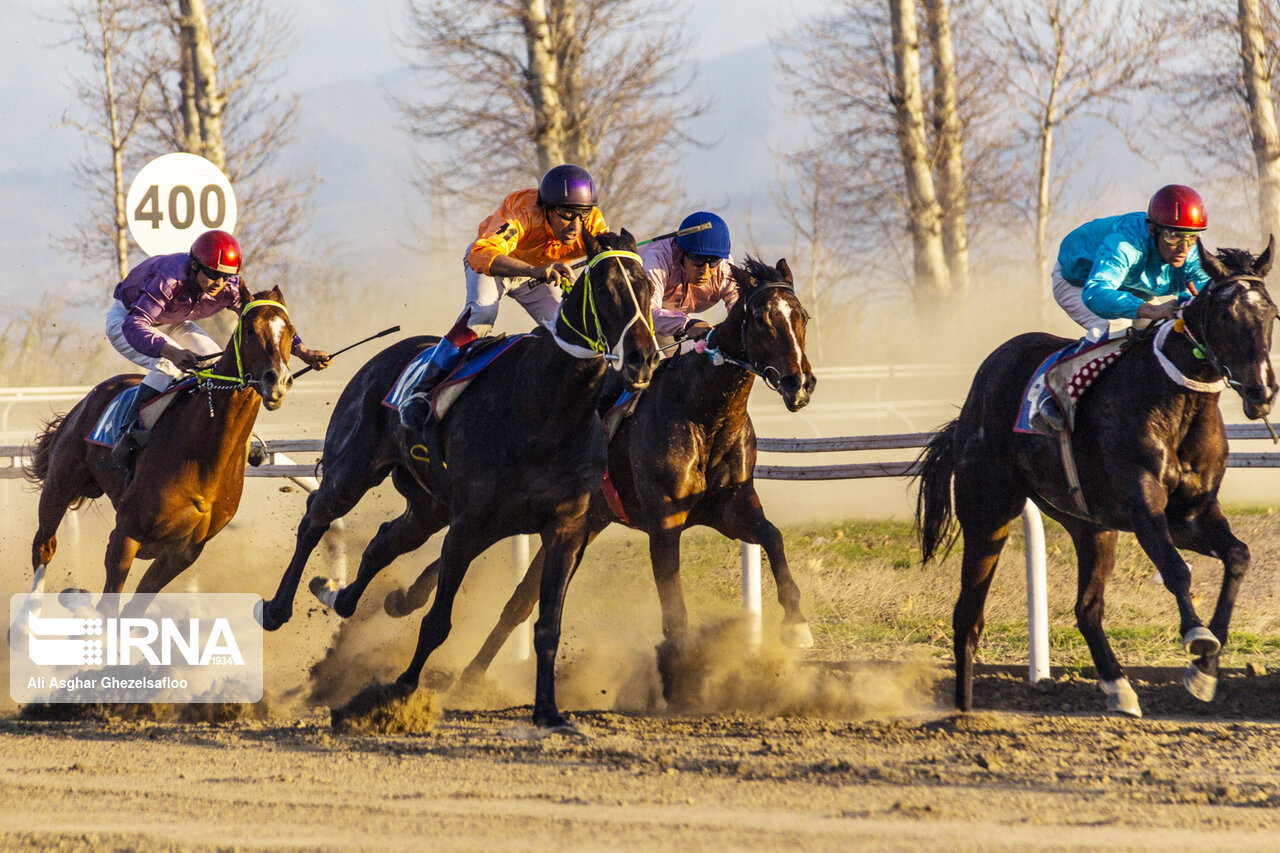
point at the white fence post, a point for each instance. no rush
(521, 642)
(1037, 596)
(751, 594)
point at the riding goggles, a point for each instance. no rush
(572, 214)
(703, 260)
(1174, 239)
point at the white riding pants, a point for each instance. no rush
(186, 334)
(540, 299)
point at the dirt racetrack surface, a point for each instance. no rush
(487, 780)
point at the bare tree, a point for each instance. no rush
(1258, 58)
(202, 101)
(113, 33)
(932, 278)
(949, 142)
(512, 87)
(1067, 59)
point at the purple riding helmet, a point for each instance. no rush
(567, 186)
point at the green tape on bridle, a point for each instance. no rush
(599, 343)
(236, 337)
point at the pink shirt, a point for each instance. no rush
(674, 299)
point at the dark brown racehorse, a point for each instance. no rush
(524, 451)
(1150, 448)
(188, 478)
(687, 457)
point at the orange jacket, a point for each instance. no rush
(518, 229)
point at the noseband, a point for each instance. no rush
(768, 374)
(1202, 349)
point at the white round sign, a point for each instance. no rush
(174, 199)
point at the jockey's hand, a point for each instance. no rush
(314, 358)
(555, 273)
(697, 330)
(183, 359)
(1163, 311)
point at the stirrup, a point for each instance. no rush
(416, 411)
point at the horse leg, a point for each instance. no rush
(744, 519)
(460, 547)
(121, 551)
(338, 494)
(1095, 560)
(165, 568)
(401, 602)
(982, 547)
(53, 508)
(679, 684)
(399, 536)
(1212, 535)
(563, 545)
(1153, 533)
(514, 613)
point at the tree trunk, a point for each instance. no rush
(544, 84)
(1261, 117)
(117, 151)
(949, 135)
(198, 45)
(932, 278)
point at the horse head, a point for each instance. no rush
(1233, 318)
(772, 326)
(609, 307)
(261, 344)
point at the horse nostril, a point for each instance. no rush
(790, 385)
(810, 383)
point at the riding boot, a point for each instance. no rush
(416, 409)
(1050, 415)
(133, 437)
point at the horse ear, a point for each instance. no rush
(1209, 261)
(626, 235)
(275, 295)
(1263, 264)
(785, 268)
(590, 243)
(245, 295)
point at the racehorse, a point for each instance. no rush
(523, 451)
(188, 478)
(687, 457)
(1151, 449)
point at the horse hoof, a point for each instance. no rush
(1120, 698)
(1200, 642)
(1199, 684)
(796, 635)
(258, 615)
(73, 598)
(326, 590)
(395, 604)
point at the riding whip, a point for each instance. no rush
(682, 232)
(349, 346)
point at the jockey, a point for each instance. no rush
(1110, 270)
(690, 273)
(1117, 270)
(152, 320)
(520, 250)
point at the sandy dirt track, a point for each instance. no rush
(485, 780)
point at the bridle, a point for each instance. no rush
(216, 382)
(768, 374)
(591, 330)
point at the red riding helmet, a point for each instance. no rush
(217, 250)
(1176, 206)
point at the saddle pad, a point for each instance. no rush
(1065, 375)
(111, 422)
(443, 395)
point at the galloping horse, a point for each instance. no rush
(1151, 449)
(523, 449)
(687, 456)
(188, 479)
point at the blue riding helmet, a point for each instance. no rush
(567, 186)
(710, 241)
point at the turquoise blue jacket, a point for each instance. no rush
(1116, 261)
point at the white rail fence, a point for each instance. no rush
(281, 464)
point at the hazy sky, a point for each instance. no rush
(343, 50)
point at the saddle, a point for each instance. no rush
(1065, 376)
(111, 423)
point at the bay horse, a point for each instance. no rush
(687, 457)
(1151, 451)
(523, 449)
(188, 478)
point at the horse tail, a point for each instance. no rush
(41, 451)
(934, 514)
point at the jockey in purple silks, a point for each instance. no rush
(152, 320)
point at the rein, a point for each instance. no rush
(597, 341)
(208, 379)
(769, 375)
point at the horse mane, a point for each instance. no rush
(752, 271)
(1240, 260)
